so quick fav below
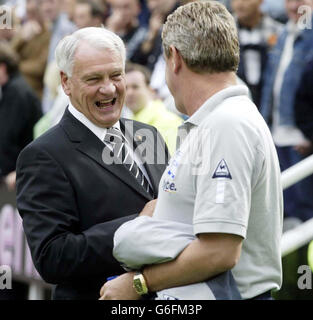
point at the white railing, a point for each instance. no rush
(301, 235)
(296, 238)
(297, 172)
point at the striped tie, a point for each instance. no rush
(116, 139)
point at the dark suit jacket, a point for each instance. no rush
(72, 202)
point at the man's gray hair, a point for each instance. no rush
(205, 35)
(97, 37)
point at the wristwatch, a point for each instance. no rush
(139, 284)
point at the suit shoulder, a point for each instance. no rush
(48, 141)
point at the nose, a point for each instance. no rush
(107, 88)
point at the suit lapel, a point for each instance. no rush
(90, 145)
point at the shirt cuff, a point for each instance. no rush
(220, 227)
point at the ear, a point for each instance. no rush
(176, 59)
(65, 83)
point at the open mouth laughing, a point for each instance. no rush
(102, 104)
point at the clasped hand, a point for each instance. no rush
(121, 288)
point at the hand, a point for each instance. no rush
(148, 209)
(304, 148)
(30, 29)
(155, 23)
(120, 288)
(10, 181)
(115, 22)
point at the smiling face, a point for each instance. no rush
(137, 91)
(97, 86)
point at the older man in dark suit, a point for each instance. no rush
(77, 183)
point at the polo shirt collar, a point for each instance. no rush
(213, 102)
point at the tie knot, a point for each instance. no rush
(114, 135)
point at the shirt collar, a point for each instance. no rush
(210, 104)
(98, 131)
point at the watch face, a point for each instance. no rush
(138, 285)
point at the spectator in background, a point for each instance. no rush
(19, 111)
(151, 48)
(144, 14)
(139, 99)
(89, 13)
(276, 9)
(60, 26)
(286, 65)
(68, 7)
(257, 35)
(31, 43)
(124, 22)
(150, 52)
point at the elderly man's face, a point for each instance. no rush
(97, 86)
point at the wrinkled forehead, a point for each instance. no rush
(88, 59)
(89, 49)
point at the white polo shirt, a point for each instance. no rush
(225, 178)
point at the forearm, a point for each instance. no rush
(204, 258)
(145, 240)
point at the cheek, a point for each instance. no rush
(121, 89)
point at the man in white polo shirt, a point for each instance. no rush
(224, 178)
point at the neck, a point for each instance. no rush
(252, 21)
(205, 86)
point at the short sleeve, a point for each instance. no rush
(223, 192)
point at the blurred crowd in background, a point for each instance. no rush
(276, 63)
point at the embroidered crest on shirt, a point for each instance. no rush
(222, 171)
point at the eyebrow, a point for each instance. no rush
(94, 74)
(99, 74)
